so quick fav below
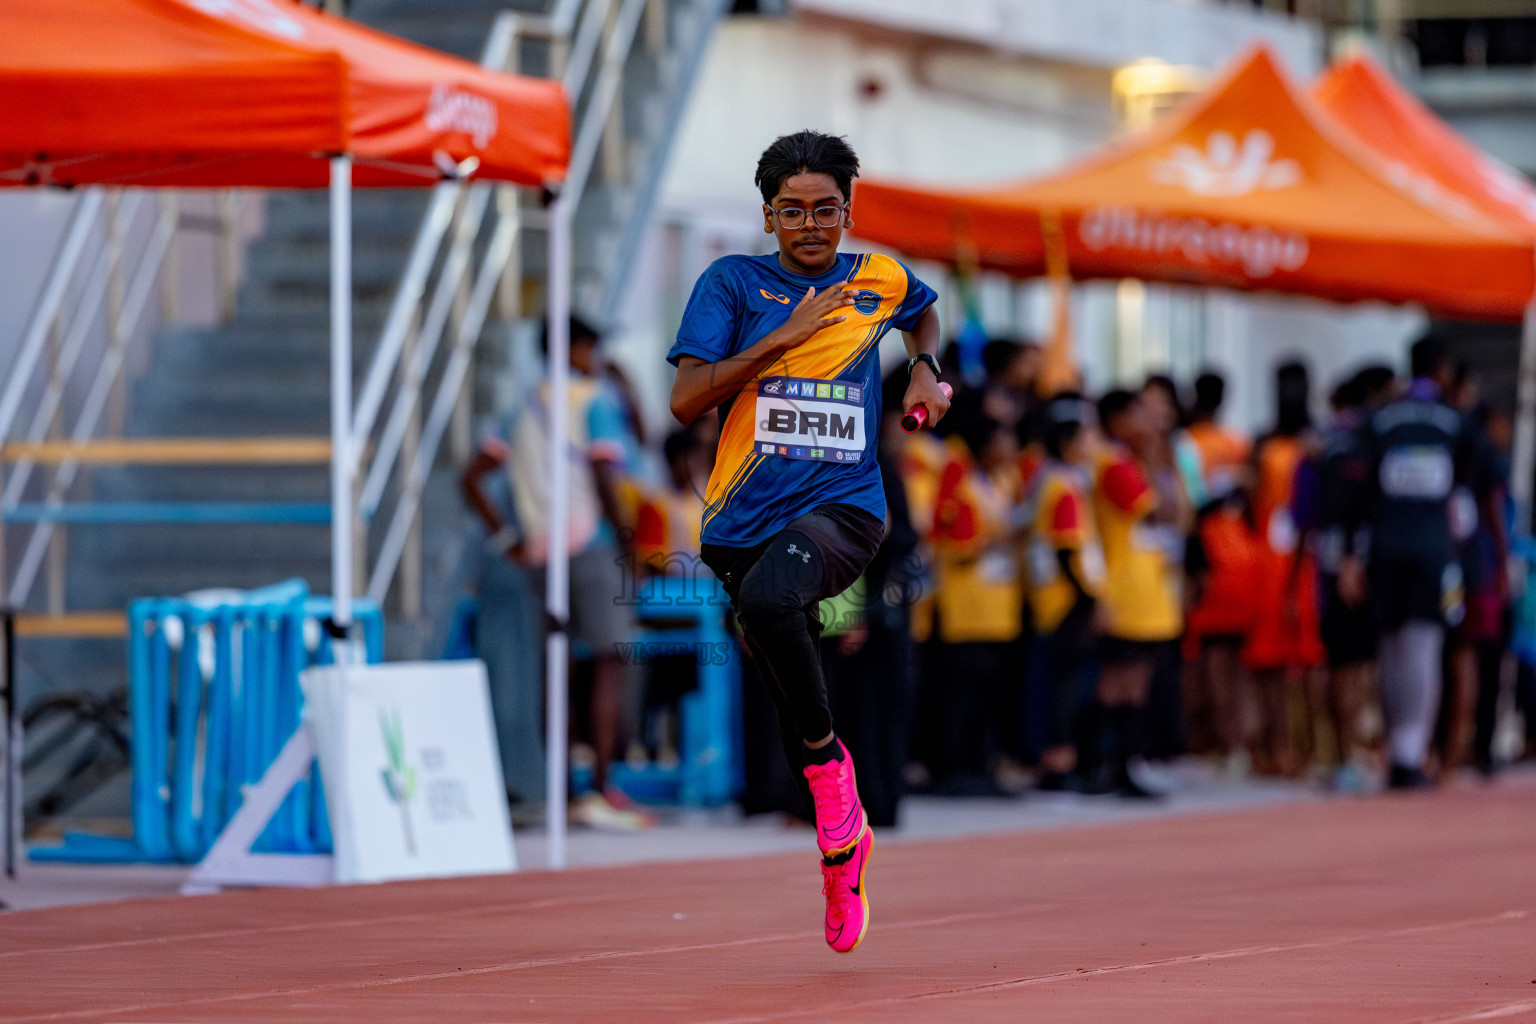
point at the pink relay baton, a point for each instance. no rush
(918, 417)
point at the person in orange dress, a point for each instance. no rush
(1284, 645)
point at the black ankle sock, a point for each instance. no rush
(831, 751)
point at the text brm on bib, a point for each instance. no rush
(799, 418)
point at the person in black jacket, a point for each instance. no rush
(1419, 450)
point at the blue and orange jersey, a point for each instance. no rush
(803, 433)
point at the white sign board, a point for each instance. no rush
(412, 779)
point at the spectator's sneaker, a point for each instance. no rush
(595, 810)
(1403, 777)
(1349, 780)
(1057, 782)
(842, 882)
(1127, 786)
(1155, 776)
(839, 814)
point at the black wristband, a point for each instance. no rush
(924, 357)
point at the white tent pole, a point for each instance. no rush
(1523, 458)
(557, 583)
(342, 468)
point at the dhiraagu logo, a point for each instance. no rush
(399, 776)
(866, 302)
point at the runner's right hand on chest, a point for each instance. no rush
(816, 312)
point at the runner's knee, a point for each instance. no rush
(782, 585)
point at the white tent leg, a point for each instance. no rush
(342, 468)
(557, 598)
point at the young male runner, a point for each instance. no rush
(785, 346)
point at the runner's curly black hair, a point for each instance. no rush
(806, 152)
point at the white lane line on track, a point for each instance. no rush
(522, 965)
(1249, 951)
(1176, 961)
(1485, 1013)
(484, 909)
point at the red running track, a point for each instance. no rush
(1392, 910)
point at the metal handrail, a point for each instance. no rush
(412, 286)
(589, 135)
(82, 220)
(650, 178)
(600, 35)
(584, 49)
(454, 219)
(497, 253)
(432, 329)
(151, 260)
(107, 261)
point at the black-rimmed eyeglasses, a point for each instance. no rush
(793, 217)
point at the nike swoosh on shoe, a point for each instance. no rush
(844, 830)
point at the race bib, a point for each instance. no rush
(1165, 540)
(810, 419)
(1043, 568)
(1094, 569)
(1417, 473)
(998, 566)
(1462, 514)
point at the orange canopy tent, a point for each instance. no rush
(1431, 159)
(253, 93)
(1250, 186)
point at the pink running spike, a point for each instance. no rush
(839, 814)
(842, 883)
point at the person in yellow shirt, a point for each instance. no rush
(979, 604)
(1066, 570)
(1140, 530)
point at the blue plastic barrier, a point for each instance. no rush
(711, 768)
(213, 685)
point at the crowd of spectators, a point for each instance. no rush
(1073, 589)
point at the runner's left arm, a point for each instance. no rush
(923, 389)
